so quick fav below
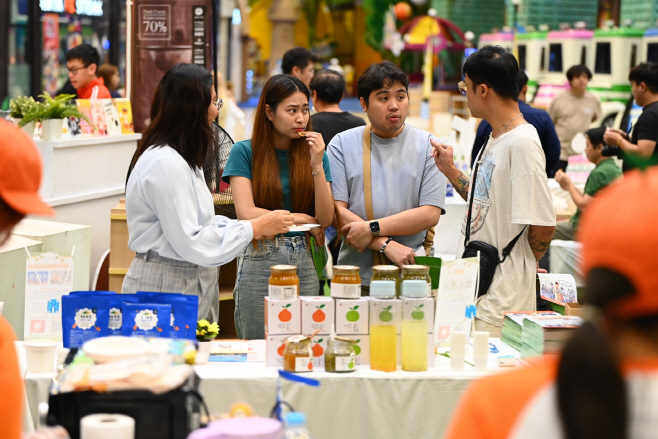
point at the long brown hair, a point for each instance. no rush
(179, 115)
(266, 182)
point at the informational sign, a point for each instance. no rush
(165, 33)
(199, 35)
(154, 22)
(92, 8)
(455, 302)
(49, 276)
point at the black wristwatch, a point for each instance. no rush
(374, 228)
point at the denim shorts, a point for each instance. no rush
(251, 285)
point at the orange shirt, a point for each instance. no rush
(11, 401)
(94, 90)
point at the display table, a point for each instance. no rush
(362, 404)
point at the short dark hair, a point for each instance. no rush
(522, 79)
(495, 67)
(646, 72)
(329, 86)
(296, 57)
(86, 53)
(595, 135)
(380, 75)
(578, 70)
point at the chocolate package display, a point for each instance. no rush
(179, 305)
(84, 317)
(146, 319)
(188, 322)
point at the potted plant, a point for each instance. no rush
(17, 109)
(51, 113)
(205, 333)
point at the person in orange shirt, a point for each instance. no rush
(20, 177)
(82, 64)
(605, 383)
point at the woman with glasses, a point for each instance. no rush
(171, 220)
(283, 166)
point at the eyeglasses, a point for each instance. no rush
(74, 70)
(462, 86)
(219, 103)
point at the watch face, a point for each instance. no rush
(374, 227)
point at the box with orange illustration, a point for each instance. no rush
(361, 348)
(274, 347)
(352, 316)
(318, 348)
(283, 316)
(317, 314)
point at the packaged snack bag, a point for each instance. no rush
(191, 314)
(178, 304)
(145, 319)
(116, 311)
(84, 318)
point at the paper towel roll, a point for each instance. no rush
(107, 426)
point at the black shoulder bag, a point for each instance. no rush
(489, 259)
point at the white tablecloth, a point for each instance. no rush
(362, 404)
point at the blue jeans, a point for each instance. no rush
(251, 285)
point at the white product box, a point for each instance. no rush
(274, 349)
(431, 351)
(361, 348)
(318, 313)
(319, 346)
(283, 316)
(352, 316)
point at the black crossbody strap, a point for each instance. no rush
(507, 250)
(467, 232)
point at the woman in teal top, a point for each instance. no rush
(283, 166)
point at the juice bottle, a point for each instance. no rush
(415, 330)
(383, 320)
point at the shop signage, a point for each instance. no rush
(79, 7)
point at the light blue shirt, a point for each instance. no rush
(170, 211)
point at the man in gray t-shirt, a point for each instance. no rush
(408, 191)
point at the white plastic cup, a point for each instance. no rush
(457, 350)
(40, 355)
(480, 361)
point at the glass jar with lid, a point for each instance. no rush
(387, 273)
(298, 355)
(340, 356)
(418, 272)
(284, 282)
(346, 282)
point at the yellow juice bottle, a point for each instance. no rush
(383, 326)
(414, 345)
(415, 330)
(383, 348)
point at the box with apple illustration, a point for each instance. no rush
(283, 316)
(318, 313)
(352, 316)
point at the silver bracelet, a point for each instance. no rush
(316, 173)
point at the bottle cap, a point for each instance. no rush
(295, 418)
(414, 288)
(382, 288)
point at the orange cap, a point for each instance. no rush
(618, 232)
(20, 172)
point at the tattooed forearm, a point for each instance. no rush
(539, 238)
(461, 184)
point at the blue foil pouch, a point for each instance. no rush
(84, 317)
(178, 311)
(188, 323)
(145, 319)
(116, 311)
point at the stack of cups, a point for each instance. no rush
(457, 350)
(480, 349)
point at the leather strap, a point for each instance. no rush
(367, 177)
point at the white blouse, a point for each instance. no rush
(170, 211)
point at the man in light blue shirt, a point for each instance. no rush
(408, 191)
